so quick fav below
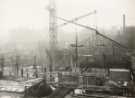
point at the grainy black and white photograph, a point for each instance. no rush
(67, 48)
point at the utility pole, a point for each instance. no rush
(76, 66)
(2, 61)
(76, 52)
(35, 67)
(17, 60)
(122, 38)
(124, 23)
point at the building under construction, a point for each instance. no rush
(97, 66)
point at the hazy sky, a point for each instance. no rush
(33, 14)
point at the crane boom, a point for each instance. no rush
(97, 32)
(78, 18)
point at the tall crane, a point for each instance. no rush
(52, 24)
(52, 32)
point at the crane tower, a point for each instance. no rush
(52, 24)
(52, 32)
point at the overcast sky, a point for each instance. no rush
(33, 14)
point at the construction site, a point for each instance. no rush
(91, 62)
